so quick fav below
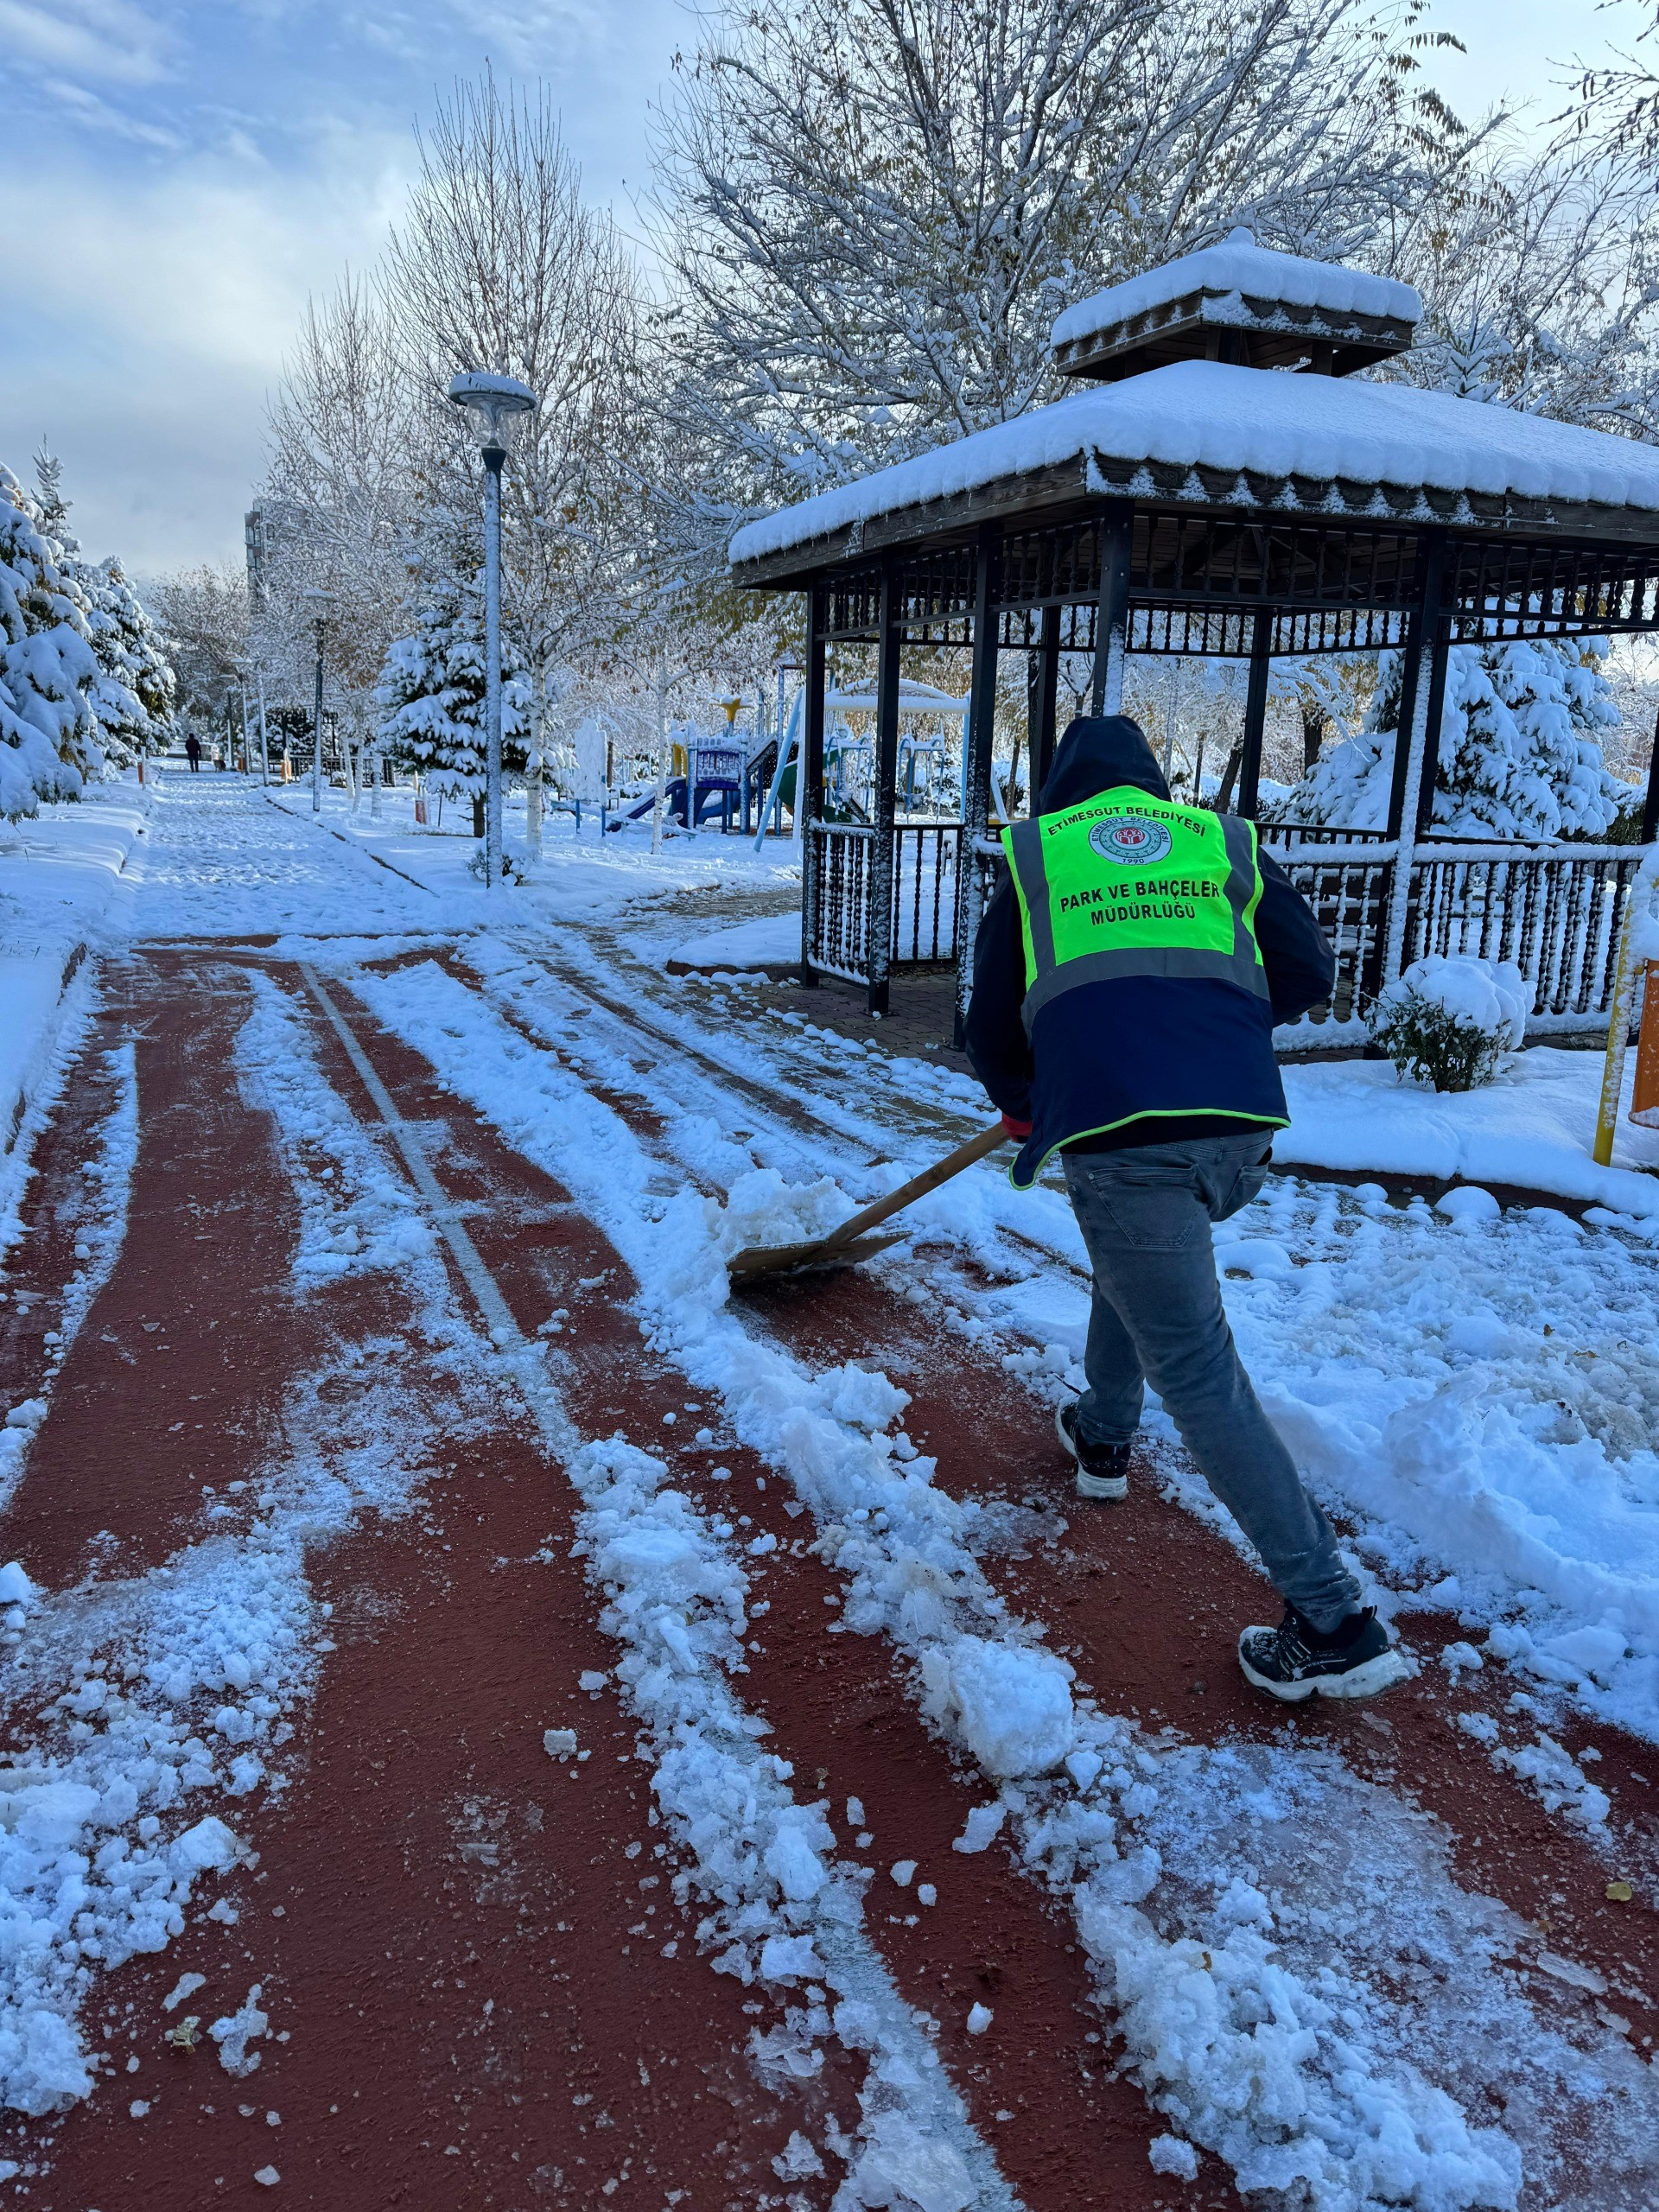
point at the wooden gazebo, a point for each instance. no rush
(1222, 486)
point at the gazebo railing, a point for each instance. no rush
(1347, 885)
(838, 915)
(924, 862)
(1554, 911)
(925, 858)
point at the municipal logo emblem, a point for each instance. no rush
(1130, 840)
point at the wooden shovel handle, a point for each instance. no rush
(918, 1185)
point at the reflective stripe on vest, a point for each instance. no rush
(1129, 885)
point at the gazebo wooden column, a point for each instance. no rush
(809, 775)
(982, 733)
(1422, 685)
(1429, 773)
(1255, 713)
(889, 640)
(1112, 609)
(1042, 699)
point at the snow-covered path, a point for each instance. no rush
(975, 1875)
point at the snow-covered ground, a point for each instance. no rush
(1532, 1128)
(58, 878)
(1476, 1397)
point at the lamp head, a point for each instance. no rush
(494, 403)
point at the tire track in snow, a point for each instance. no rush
(728, 1801)
(1629, 1847)
(519, 1118)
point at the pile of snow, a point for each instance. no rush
(1011, 1707)
(762, 1209)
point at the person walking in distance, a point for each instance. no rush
(193, 752)
(1127, 975)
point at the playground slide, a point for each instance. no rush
(709, 802)
(641, 808)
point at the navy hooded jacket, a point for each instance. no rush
(1140, 1059)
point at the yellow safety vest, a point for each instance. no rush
(1129, 885)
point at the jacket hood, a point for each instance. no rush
(1097, 752)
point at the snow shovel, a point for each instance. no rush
(846, 1246)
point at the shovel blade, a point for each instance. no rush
(792, 1259)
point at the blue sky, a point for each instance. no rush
(175, 180)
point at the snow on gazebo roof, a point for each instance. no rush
(1210, 434)
(919, 698)
(1239, 265)
(1242, 303)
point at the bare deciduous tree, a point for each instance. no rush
(871, 210)
(501, 264)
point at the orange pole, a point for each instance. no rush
(1645, 1098)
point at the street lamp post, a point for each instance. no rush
(264, 759)
(495, 402)
(321, 606)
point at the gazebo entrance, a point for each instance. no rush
(1227, 495)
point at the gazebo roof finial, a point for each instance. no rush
(1239, 302)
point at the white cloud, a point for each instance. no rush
(148, 321)
(178, 179)
(95, 114)
(107, 39)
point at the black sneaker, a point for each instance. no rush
(1293, 1661)
(1102, 1469)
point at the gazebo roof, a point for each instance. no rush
(917, 697)
(1238, 301)
(1244, 270)
(1208, 436)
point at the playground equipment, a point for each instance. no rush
(849, 767)
(706, 777)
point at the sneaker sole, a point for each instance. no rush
(1369, 1680)
(1099, 1486)
(1093, 1487)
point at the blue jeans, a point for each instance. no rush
(1145, 1213)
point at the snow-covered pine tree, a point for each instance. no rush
(1520, 747)
(430, 696)
(49, 731)
(136, 690)
(133, 696)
